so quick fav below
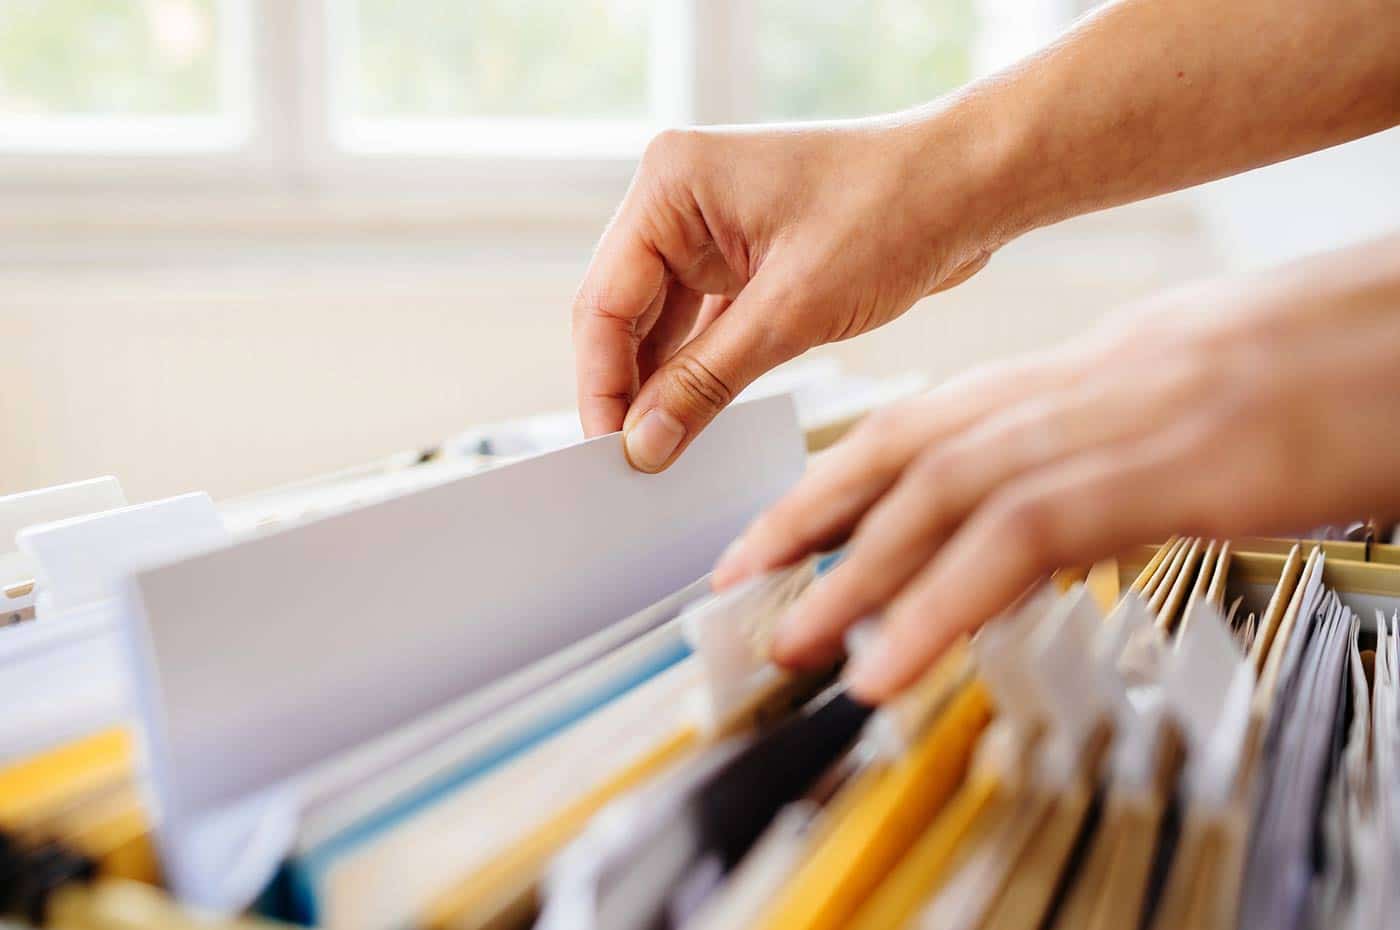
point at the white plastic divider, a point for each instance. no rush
(21, 511)
(87, 559)
(70, 669)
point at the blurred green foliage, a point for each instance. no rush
(816, 58)
(445, 58)
(563, 58)
(832, 58)
(99, 57)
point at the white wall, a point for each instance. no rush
(232, 362)
(1310, 204)
(230, 368)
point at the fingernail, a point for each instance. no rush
(653, 440)
(862, 636)
(727, 567)
(869, 669)
(784, 636)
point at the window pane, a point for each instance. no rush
(831, 58)
(62, 58)
(493, 58)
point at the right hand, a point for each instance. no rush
(736, 250)
(1249, 406)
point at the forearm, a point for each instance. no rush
(1149, 96)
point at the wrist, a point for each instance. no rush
(969, 167)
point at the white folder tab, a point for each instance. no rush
(86, 559)
(21, 511)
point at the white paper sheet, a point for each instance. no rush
(257, 661)
(67, 679)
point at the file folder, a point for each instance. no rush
(442, 592)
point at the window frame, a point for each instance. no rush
(703, 61)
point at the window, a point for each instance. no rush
(91, 75)
(422, 75)
(819, 58)
(301, 92)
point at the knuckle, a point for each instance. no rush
(1248, 396)
(880, 422)
(859, 589)
(936, 471)
(595, 300)
(585, 301)
(775, 525)
(1189, 380)
(697, 387)
(788, 338)
(892, 426)
(1206, 370)
(1222, 506)
(1032, 522)
(1215, 338)
(880, 436)
(1232, 491)
(1035, 433)
(670, 148)
(935, 478)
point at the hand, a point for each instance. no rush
(1264, 405)
(737, 250)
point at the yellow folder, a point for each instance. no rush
(860, 850)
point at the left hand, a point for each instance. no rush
(1264, 405)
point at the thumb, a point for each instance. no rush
(752, 336)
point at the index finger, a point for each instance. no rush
(1076, 512)
(623, 279)
(845, 482)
